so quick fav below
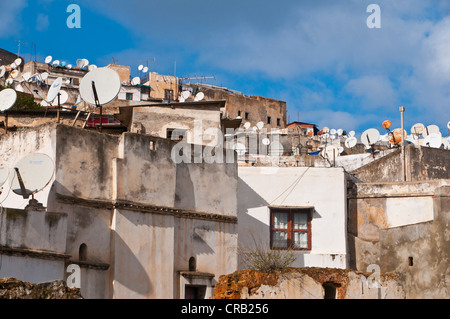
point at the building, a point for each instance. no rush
(272, 200)
(137, 224)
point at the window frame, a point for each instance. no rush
(290, 228)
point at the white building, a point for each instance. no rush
(300, 206)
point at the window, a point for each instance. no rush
(129, 96)
(247, 115)
(239, 113)
(176, 134)
(82, 252)
(290, 228)
(269, 119)
(278, 122)
(168, 95)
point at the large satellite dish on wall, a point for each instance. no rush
(33, 174)
(370, 137)
(7, 99)
(107, 85)
(54, 90)
(62, 98)
(433, 140)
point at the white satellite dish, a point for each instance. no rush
(200, 96)
(448, 125)
(351, 134)
(19, 88)
(260, 125)
(417, 129)
(140, 67)
(9, 81)
(4, 174)
(48, 59)
(239, 148)
(136, 81)
(7, 99)
(55, 63)
(185, 94)
(340, 149)
(333, 131)
(85, 62)
(181, 100)
(92, 67)
(107, 84)
(69, 66)
(430, 129)
(54, 90)
(26, 76)
(36, 171)
(2, 71)
(62, 98)
(247, 125)
(145, 70)
(44, 103)
(325, 130)
(340, 132)
(18, 61)
(370, 137)
(13, 66)
(80, 63)
(44, 76)
(433, 140)
(351, 142)
(266, 141)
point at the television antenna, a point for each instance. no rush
(99, 87)
(20, 43)
(34, 172)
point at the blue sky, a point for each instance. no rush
(318, 56)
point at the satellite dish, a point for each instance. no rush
(185, 94)
(351, 133)
(417, 129)
(44, 103)
(448, 125)
(200, 96)
(239, 148)
(254, 128)
(19, 88)
(48, 59)
(13, 66)
(370, 137)
(63, 63)
(18, 61)
(430, 129)
(260, 125)
(181, 100)
(80, 63)
(386, 124)
(69, 66)
(14, 74)
(333, 131)
(2, 71)
(107, 83)
(396, 136)
(266, 141)
(54, 89)
(55, 63)
(350, 142)
(433, 140)
(85, 62)
(92, 67)
(325, 130)
(7, 99)
(329, 152)
(4, 174)
(62, 98)
(140, 67)
(44, 76)
(145, 70)
(340, 132)
(136, 81)
(9, 81)
(26, 76)
(247, 125)
(340, 149)
(35, 171)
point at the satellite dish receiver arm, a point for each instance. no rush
(97, 103)
(22, 185)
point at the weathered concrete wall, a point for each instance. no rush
(420, 253)
(322, 188)
(308, 283)
(422, 164)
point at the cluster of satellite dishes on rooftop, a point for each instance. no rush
(185, 95)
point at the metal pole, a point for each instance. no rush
(402, 111)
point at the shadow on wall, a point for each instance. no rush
(129, 271)
(184, 189)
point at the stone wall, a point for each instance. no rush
(308, 283)
(13, 288)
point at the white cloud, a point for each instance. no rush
(42, 22)
(10, 22)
